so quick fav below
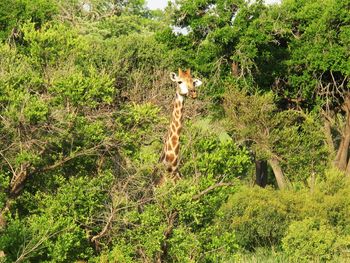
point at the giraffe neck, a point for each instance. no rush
(172, 144)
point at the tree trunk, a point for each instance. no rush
(2, 220)
(347, 172)
(3, 212)
(277, 170)
(235, 69)
(339, 152)
(261, 173)
(328, 136)
(341, 160)
(344, 148)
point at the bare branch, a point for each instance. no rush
(8, 163)
(86, 152)
(30, 247)
(210, 188)
(106, 227)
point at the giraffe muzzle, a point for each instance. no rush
(193, 94)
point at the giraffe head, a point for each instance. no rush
(185, 84)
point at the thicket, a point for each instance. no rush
(85, 101)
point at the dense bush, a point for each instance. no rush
(309, 240)
(85, 100)
(260, 217)
(181, 223)
(304, 225)
(60, 223)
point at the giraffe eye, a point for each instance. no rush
(179, 82)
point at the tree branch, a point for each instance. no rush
(210, 188)
(105, 229)
(68, 158)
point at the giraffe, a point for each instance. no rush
(185, 87)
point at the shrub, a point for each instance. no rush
(310, 239)
(217, 159)
(59, 229)
(259, 217)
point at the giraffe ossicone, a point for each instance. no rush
(186, 86)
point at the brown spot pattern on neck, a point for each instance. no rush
(172, 144)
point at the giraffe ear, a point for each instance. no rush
(197, 82)
(173, 76)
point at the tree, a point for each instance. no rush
(291, 141)
(318, 67)
(16, 12)
(252, 119)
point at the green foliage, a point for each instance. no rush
(215, 158)
(308, 240)
(13, 238)
(259, 217)
(251, 118)
(322, 27)
(268, 255)
(135, 124)
(334, 205)
(35, 111)
(117, 26)
(295, 137)
(190, 237)
(49, 46)
(139, 54)
(59, 228)
(148, 235)
(4, 184)
(210, 30)
(303, 225)
(301, 143)
(90, 89)
(16, 12)
(84, 102)
(188, 212)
